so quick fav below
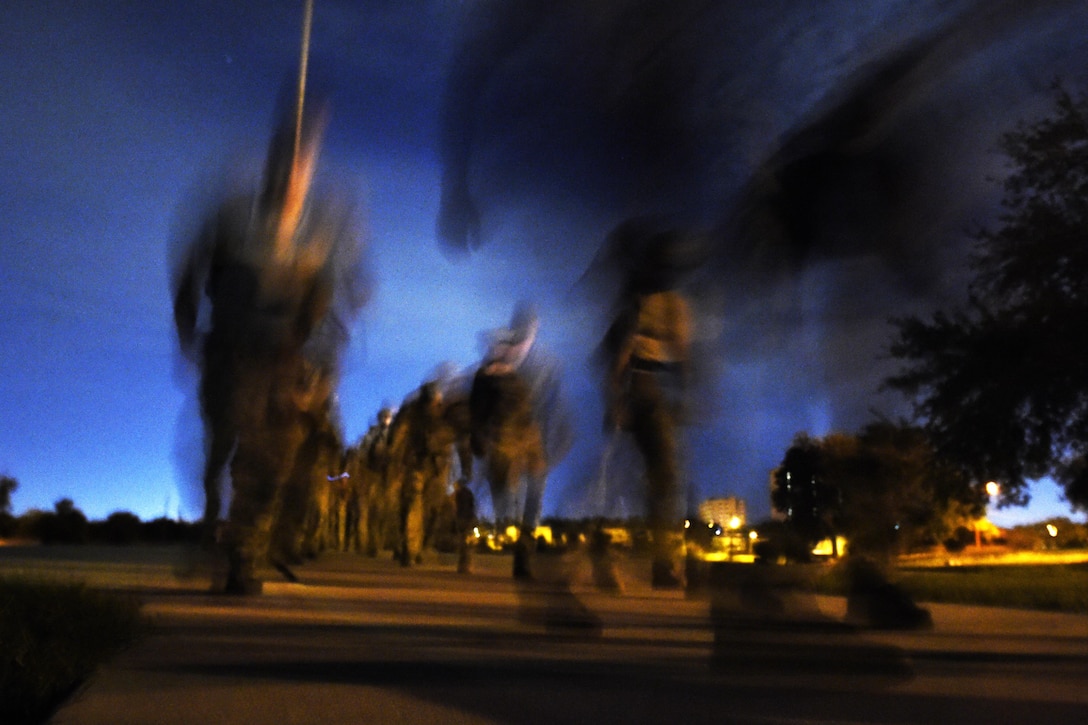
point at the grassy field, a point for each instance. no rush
(52, 637)
(1051, 580)
(1052, 587)
(1056, 582)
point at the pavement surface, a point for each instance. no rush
(360, 640)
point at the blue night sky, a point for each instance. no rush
(124, 120)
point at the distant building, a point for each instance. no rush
(728, 512)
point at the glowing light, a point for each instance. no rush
(1052, 530)
(734, 523)
(993, 488)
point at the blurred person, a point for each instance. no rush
(279, 273)
(648, 356)
(417, 453)
(464, 507)
(453, 459)
(603, 560)
(319, 465)
(521, 427)
(358, 491)
(374, 457)
(305, 491)
(340, 502)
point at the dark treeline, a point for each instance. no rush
(66, 524)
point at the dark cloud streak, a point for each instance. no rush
(839, 152)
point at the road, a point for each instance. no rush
(364, 640)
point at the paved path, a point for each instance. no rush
(360, 640)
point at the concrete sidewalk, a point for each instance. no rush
(362, 640)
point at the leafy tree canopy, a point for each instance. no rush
(884, 489)
(799, 489)
(1002, 385)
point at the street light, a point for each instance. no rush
(734, 524)
(992, 489)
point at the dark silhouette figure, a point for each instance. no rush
(647, 358)
(520, 428)
(464, 507)
(280, 274)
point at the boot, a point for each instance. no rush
(523, 564)
(605, 575)
(663, 575)
(464, 560)
(241, 577)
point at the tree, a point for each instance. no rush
(884, 489)
(7, 487)
(1002, 385)
(7, 522)
(66, 524)
(120, 527)
(801, 491)
(898, 494)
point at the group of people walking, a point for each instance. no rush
(407, 483)
(282, 275)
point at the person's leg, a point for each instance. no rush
(249, 518)
(434, 501)
(655, 436)
(603, 561)
(221, 432)
(411, 518)
(465, 543)
(249, 522)
(375, 530)
(269, 438)
(392, 538)
(289, 528)
(221, 438)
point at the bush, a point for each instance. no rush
(168, 531)
(959, 540)
(54, 636)
(778, 540)
(119, 528)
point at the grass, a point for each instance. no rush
(1045, 587)
(1050, 587)
(52, 637)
